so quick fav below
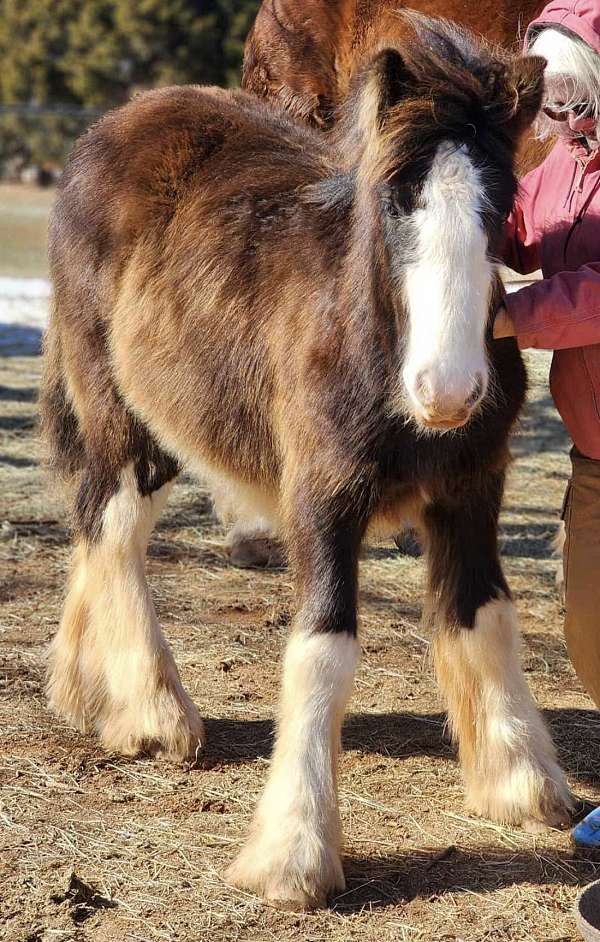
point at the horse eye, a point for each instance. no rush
(392, 209)
(395, 202)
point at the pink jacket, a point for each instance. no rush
(555, 226)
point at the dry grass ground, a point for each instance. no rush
(100, 848)
(23, 224)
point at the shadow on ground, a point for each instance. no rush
(400, 735)
(10, 394)
(387, 881)
(17, 340)
(541, 430)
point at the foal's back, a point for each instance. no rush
(142, 165)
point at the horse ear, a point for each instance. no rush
(391, 77)
(525, 82)
(385, 83)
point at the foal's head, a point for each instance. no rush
(433, 126)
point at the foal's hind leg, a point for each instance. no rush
(110, 666)
(508, 759)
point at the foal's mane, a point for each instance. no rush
(433, 80)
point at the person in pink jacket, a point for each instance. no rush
(555, 226)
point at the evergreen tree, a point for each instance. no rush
(61, 54)
(240, 16)
(96, 61)
(173, 41)
(33, 41)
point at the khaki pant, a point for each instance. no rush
(581, 565)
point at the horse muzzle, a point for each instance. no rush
(444, 406)
(443, 423)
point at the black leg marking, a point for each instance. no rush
(464, 567)
(324, 545)
(153, 469)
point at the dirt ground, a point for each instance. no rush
(100, 848)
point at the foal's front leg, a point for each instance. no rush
(293, 855)
(508, 759)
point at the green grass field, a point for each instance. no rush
(23, 230)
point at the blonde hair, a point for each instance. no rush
(572, 60)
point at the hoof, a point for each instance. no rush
(178, 739)
(408, 543)
(561, 819)
(156, 717)
(281, 881)
(559, 811)
(258, 553)
(302, 903)
(528, 800)
(557, 807)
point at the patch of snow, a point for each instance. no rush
(24, 306)
(30, 312)
(512, 286)
(25, 288)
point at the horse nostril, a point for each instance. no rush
(477, 392)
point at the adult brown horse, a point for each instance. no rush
(302, 53)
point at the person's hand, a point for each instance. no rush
(503, 325)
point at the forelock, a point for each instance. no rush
(459, 92)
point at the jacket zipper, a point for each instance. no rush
(578, 188)
(577, 182)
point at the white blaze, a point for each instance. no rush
(447, 288)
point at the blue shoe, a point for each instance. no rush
(587, 832)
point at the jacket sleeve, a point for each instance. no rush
(520, 249)
(559, 312)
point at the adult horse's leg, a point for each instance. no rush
(252, 541)
(110, 667)
(292, 857)
(254, 547)
(508, 759)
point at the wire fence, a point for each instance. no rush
(37, 138)
(76, 111)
